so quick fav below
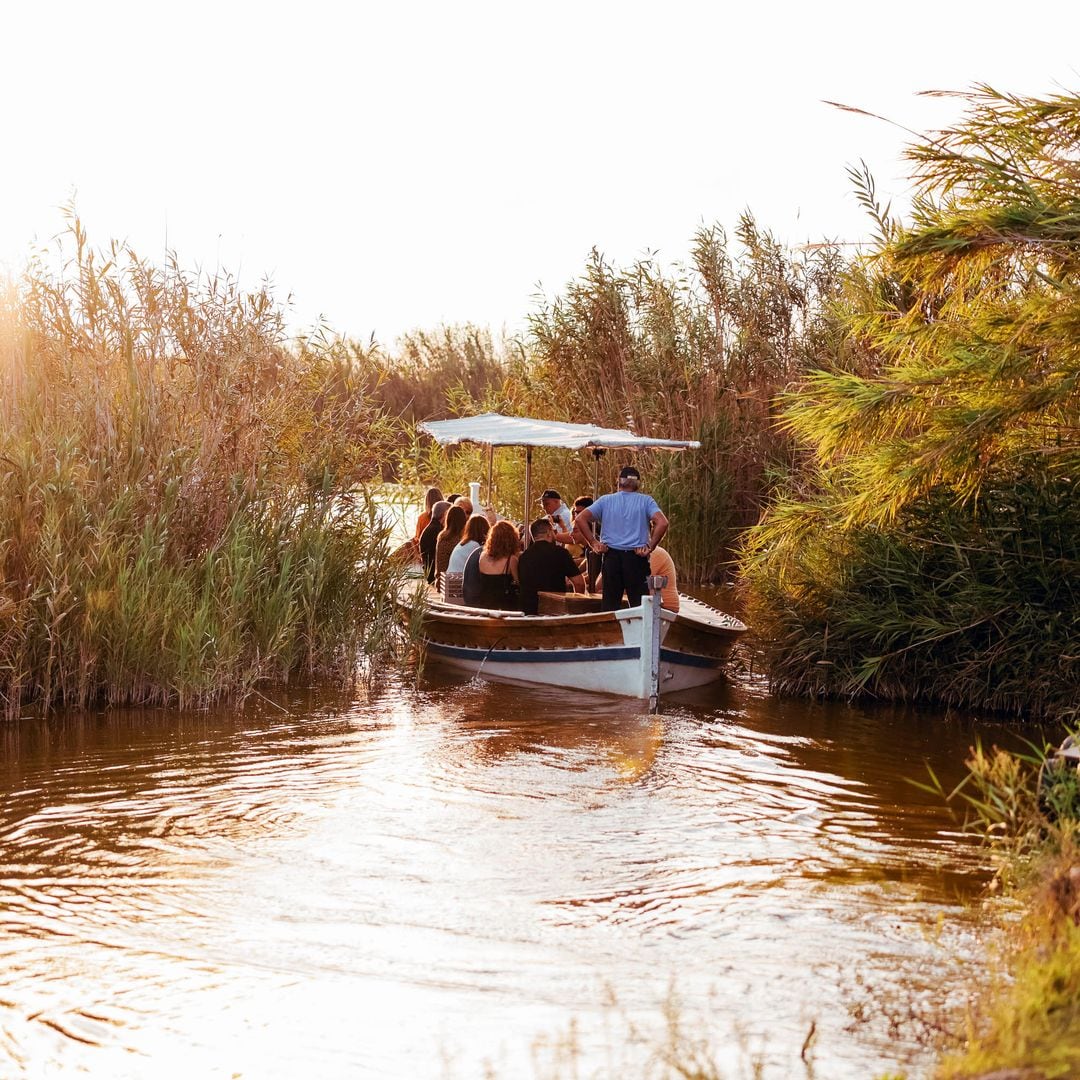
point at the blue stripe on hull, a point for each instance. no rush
(688, 659)
(542, 656)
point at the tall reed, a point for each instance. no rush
(697, 351)
(181, 510)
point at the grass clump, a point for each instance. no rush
(1025, 1019)
(180, 515)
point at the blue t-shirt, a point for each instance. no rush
(624, 518)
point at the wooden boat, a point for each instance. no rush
(635, 652)
(638, 652)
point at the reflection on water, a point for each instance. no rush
(422, 881)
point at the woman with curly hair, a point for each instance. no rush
(490, 577)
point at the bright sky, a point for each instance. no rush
(402, 164)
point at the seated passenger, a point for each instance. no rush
(431, 497)
(448, 539)
(490, 576)
(589, 560)
(544, 566)
(476, 530)
(465, 503)
(558, 516)
(429, 538)
(661, 565)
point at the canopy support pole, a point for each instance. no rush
(598, 453)
(651, 621)
(528, 493)
(490, 493)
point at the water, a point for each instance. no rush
(466, 876)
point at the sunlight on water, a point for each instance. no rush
(419, 882)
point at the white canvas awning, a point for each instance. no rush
(494, 429)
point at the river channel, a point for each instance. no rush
(460, 879)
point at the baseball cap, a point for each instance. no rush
(551, 493)
(629, 472)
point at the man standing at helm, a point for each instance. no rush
(632, 524)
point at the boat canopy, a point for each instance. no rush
(494, 429)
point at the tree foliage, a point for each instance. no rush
(974, 311)
(927, 550)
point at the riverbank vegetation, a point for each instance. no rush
(180, 515)
(1024, 1020)
(890, 439)
(928, 548)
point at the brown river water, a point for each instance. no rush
(461, 879)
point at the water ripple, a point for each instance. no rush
(214, 894)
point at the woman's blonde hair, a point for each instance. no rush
(502, 541)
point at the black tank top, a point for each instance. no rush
(480, 590)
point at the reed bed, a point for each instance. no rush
(974, 606)
(427, 370)
(181, 505)
(697, 351)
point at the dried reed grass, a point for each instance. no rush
(179, 506)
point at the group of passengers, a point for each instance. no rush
(481, 562)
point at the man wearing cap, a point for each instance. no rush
(558, 513)
(633, 524)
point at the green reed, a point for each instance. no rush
(181, 504)
(973, 606)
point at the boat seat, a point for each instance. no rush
(553, 603)
(451, 590)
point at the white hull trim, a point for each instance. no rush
(606, 670)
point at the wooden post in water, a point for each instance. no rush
(651, 621)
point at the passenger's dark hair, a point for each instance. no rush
(539, 527)
(453, 525)
(431, 497)
(582, 501)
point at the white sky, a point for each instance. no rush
(402, 164)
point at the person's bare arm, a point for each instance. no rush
(583, 526)
(658, 526)
(559, 535)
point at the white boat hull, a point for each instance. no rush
(600, 672)
(609, 652)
